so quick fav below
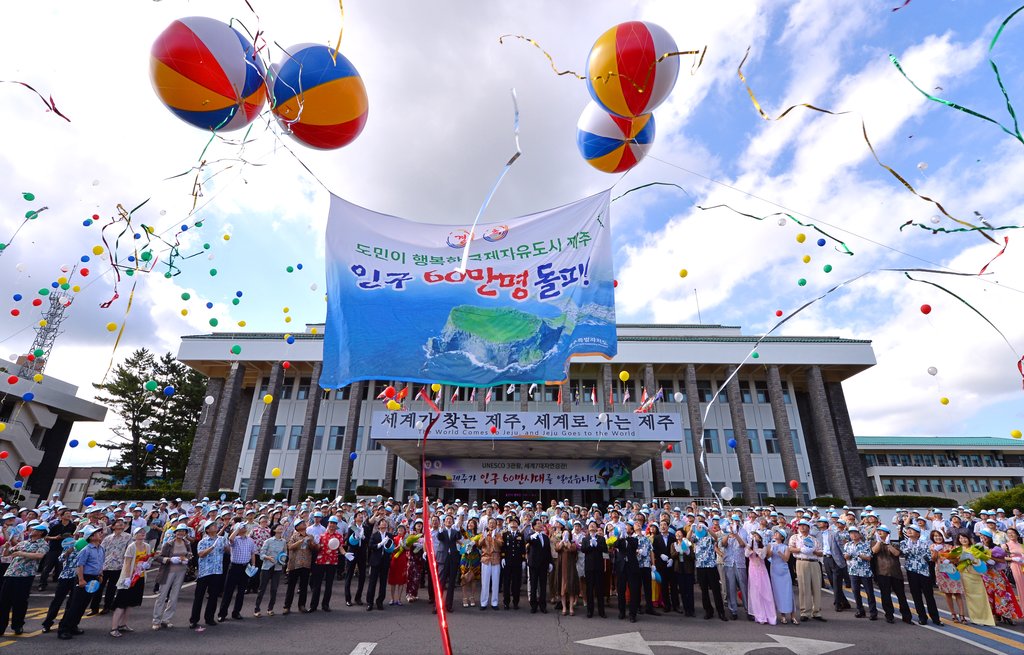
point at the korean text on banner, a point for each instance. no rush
(537, 290)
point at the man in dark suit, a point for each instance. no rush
(540, 563)
(358, 537)
(627, 572)
(664, 550)
(449, 537)
(513, 552)
(594, 548)
(379, 559)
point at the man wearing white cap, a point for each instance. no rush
(806, 549)
(88, 568)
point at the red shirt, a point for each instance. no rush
(326, 555)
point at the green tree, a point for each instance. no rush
(152, 417)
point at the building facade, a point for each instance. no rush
(72, 484)
(36, 432)
(785, 409)
(960, 468)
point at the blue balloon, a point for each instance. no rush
(821, 242)
(92, 586)
(168, 390)
(290, 340)
(85, 258)
(150, 447)
(17, 484)
(54, 285)
(87, 501)
(17, 297)
(353, 456)
(298, 266)
(732, 443)
(209, 305)
(238, 294)
(73, 443)
(28, 396)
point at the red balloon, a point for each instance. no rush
(668, 448)
(15, 312)
(3, 454)
(778, 312)
(494, 430)
(793, 484)
(615, 284)
(12, 379)
(36, 302)
(389, 392)
(84, 272)
(286, 365)
(30, 357)
(926, 309)
(25, 471)
(667, 464)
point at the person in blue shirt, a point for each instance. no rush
(66, 580)
(857, 554)
(89, 567)
(210, 577)
(917, 555)
(706, 551)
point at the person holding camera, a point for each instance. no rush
(173, 558)
(889, 575)
(857, 554)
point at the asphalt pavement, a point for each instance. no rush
(413, 629)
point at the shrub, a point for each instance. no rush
(673, 493)
(780, 501)
(906, 501)
(371, 490)
(1006, 499)
(828, 500)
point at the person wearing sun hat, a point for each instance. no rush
(173, 558)
(26, 556)
(88, 568)
(889, 575)
(210, 575)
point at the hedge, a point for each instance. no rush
(828, 500)
(371, 490)
(143, 494)
(673, 493)
(1006, 499)
(780, 501)
(906, 501)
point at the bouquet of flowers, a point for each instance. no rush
(977, 557)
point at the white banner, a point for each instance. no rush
(528, 425)
(458, 473)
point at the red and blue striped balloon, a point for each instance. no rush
(613, 144)
(624, 75)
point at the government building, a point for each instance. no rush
(268, 429)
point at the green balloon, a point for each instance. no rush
(213, 272)
(151, 385)
(213, 322)
(206, 246)
(828, 268)
(186, 295)
(38, 352)
(199, 223)
(31, 215)
(81, 544)
(65, 286)
(167, 275)
(290, 269)
(130, 272)
(755, 355)
(44, 292)
(3, 246)
(236, 350)
(28, 196)
(802, 282)
(147, 255)
(235, 301)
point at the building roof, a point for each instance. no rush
(925, 441)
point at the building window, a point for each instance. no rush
(887, 485)
(918, 460)
(311, 486)
(668, 389)
(277, 442)
(286, 389)
(409, 487)
(748, 398)
(286, 485)
(711, 444)
(771, 444)
(318, 438)
(254, 436)
(925, 486)
(983, 485)
(303, 392)
(723, 395)
(989, 460)
(972, 484)
(337, 437)
(342, 393)
(795, 438)
(547, 393)
(264, 388)
(869, 461)
(704, 392)
(329, 488)
(936, 485)
(975, 460)
(949, 486)
(901, 486)
(904, 460)
(581, 391)
(243, 487)
(785, 393)
(367, 389)
(688, 440)
(762, 490)
(782, 489)
(326, 395)
(295, 437)
(268, 486)
(761, 392)
(755, 441)
(959, 486)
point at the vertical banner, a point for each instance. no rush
(536, 290)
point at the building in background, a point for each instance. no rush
(74, 483)
(785, 409)
(961, 468)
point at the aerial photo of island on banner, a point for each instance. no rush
(388, 327)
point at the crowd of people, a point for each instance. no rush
(652, 560)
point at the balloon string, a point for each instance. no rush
(843, 248)
(936, 230)
(435, 581)
(50, 105)
(497, 182)
(120, 332)
(864, 129)
(341, 30)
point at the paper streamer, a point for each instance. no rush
(1015, 132)
(50, 104)
(649, 184)
(905, 3)
(1006, 243)
(341, 30)
(864, 130)
(981, 228)
(497, 183)
(435, 580)
(843, 248)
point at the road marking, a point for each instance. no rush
(633, 642)
(963, 639)
(364, 648)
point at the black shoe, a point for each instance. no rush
(622, 617)
(908, 620)
(938, 623)
(859, 615)
(369, 608)
(515, 607)
(359, 601)
(922, 621)
(590, 615)
(820, 618)
(734, 617)
(506, 605)
(722, 616)
(652, 612)
(839, 609)
(533, 610)
(348, 603)
(61, 635)
(325, 608)
(309, 611)
(602, 615)
(221, 619)
(212, 624)
(632, 619)
(873, 617)
(495, 608)
(543, 610)
(483, 608)
(750, 617)
(78, 631)
(47, 628)
(708, 617)
(380, 607)
(890, 619)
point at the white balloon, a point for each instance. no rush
(679, 396)
(936, 219)
(602, 417)
(782, 222)
(419, 425)
(20, 267)
(95, 182)
(932, 370)
(923, 166)
(209, 400)
(210, 256)
(312, 287)
(727, 493)
(333, 543)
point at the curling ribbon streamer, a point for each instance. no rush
(50, 105)
(845, 249)
(864, 130)
(1006, 243)
(341, 30)
(435, 578)
(497, 182)
(1015, 132)
(117, 342)
(644, 186)
(905, 3)
(936, 230)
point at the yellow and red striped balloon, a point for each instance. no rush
(207, 74)
(624, 75)
(613, 144)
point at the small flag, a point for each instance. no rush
(559, 395)
(380, 396)
(579, 392)
(533, 387)
(487, 398)
(437, 398)
(593, 396)
(402, 394)
(455, 395)
(611, 399)
(510, 391)
(472, 395)
(625, 396)
(643, 396)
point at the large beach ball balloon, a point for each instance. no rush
(623, 72)
(319, 97)
(613, 144)
(207, 74)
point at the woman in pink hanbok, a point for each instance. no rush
(759, 586)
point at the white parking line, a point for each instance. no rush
(364, 648)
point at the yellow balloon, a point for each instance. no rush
(37, 378)
(184, 312)
(267, 399)
(287, 319)
(275, 472)
(227, 237)
(62, 280)
(624, 376)
(435, 387)
(92, 444)
(42, 323)
(944, 400)
(3, 426)
(285, 310)
(313, 331)
(111, 327)
(76, 288)
(97, 250)
(683, 272)
(807, 259)
(800, 238)
(1016, 434)
(393, 405)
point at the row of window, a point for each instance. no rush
(779, 489)
(947, 485)
(327, 487)
(335, 438)
(919, 459)
(578, 391)
(712, 444)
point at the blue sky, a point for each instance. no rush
(440, 128)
